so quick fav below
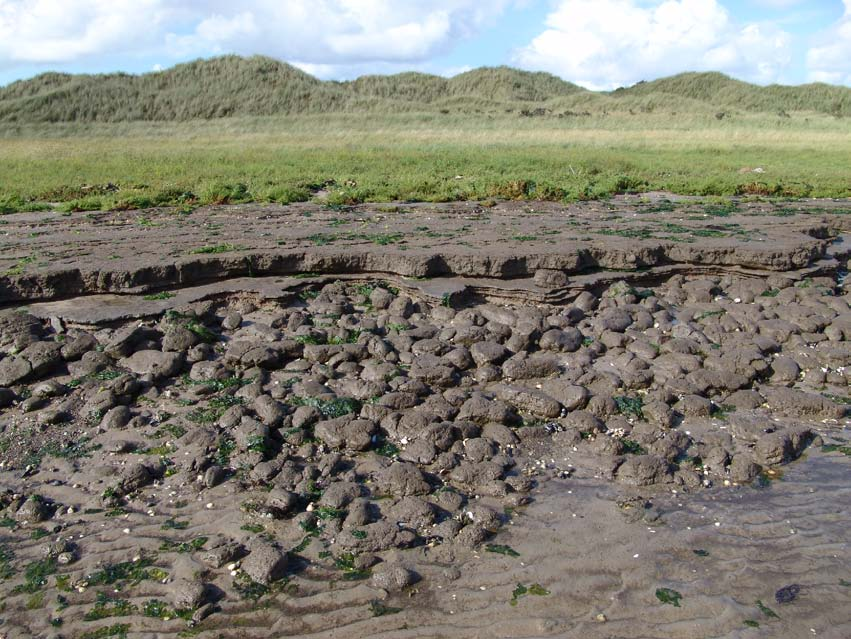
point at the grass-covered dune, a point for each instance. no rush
(236, 129)
(233, 86)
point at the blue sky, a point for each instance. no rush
(600, 44)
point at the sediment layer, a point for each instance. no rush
(55, 256)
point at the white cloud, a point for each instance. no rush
(602, 44)
(48, 31)
(341, 32)
(831, 61)
(322, 34)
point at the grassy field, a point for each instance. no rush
(432, 157)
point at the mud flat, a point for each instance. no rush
(614, 419)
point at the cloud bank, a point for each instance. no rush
(831, 62)
(325, 34)
(602, 44)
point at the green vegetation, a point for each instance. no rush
(836, 448)
(231, 86)
(224, 451)
(386, 448)
(6, 556)
(20, 265)
(232, 130)
(502, 550)
(248, 588)
(326, 512)
(77, 449)
(218, 385)
(216, 249)
(768, 612)
(521, 591)
(215, 409)
(346, 563)
(36, 574)
(183, 547)
(253, 528)
(668, 596)
(160, 610)
(106, 607)
(632, 447)
(153, 297)
(127, 572)
(190, 323)
(379, 609)
(630, 406)
(117, 631)
(331, 408)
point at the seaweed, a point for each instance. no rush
(218, 385)
(160, 610)
(500, 549)
(253, 528)
(119, 631)
(36, 574)
(174, 524)
(303, 544)
(768, 612)
(216, 249)
(379, 609)
(630, 406)
(126, 572)
(632, 447)
(386, 448)
(183, 547)
(836, 448)
(106, 607)
(248, 588)
(224, 451)
(6, 557)
(521, 591)
(326, 513)
(669, 596)
(346, 563)
(153, 297)
(330, 408)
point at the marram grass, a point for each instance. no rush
(420, 156)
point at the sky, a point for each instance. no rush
(599, 44)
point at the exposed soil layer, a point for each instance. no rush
(48, 256)
(523, 451)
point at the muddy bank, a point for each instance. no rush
(337, 457)
(456, 456)
(49, 256)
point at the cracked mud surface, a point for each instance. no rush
(662, 453)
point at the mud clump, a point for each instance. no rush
(354, 433)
